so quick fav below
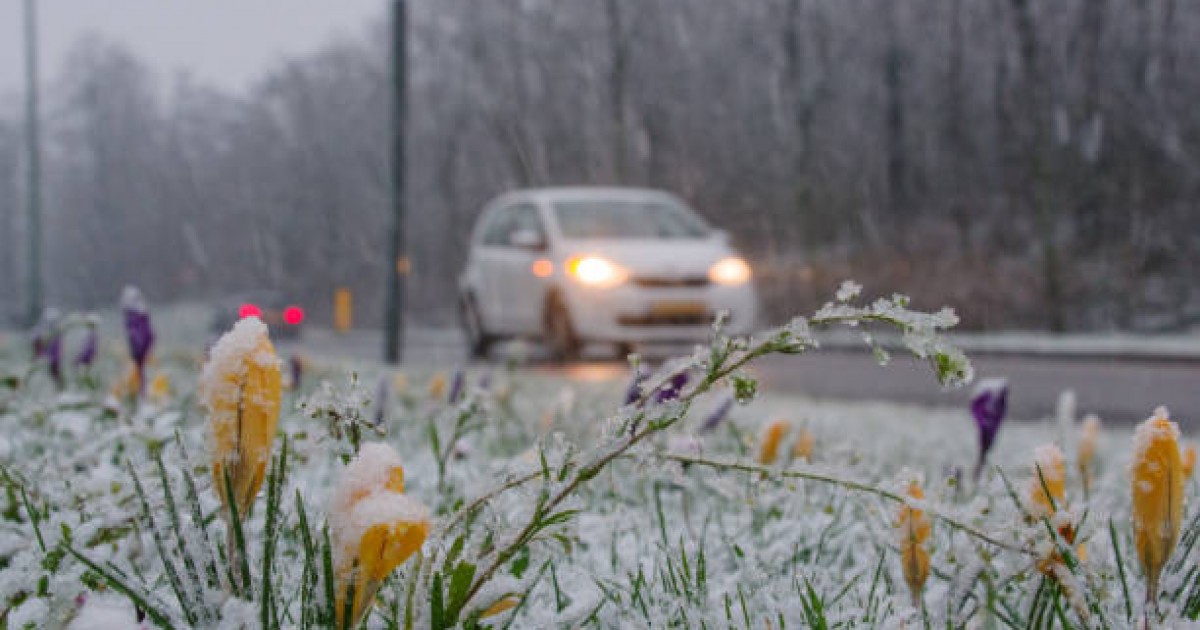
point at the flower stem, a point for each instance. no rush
(849, 484)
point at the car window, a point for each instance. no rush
(499, 226)
(526, 219)
(616, 219)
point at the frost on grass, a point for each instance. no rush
(579, 510)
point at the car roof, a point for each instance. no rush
(583, 193)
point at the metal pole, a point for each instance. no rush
(398, 267)
(33, 287)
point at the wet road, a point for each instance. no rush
(1120, 390)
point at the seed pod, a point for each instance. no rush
(1156, 478)
(240, 387)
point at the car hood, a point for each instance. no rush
(655, 258)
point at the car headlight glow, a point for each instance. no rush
(594, 271)
(729, 271)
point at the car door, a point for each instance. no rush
(488, 288)
(526, 290)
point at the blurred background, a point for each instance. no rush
(1034, 163)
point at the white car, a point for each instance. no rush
(613, 265)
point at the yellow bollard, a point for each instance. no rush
(342, 309)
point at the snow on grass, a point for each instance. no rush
(584, 511)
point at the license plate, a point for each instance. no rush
(678, 309)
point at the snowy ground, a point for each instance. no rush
(650, 541)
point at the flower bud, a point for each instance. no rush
(374, 528)
(772, 436)
(913, 529)
(240, 387)
(1156, 479)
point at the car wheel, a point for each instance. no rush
(564, 344)
(478, 340)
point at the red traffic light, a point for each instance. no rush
(249, 310)
(293, 315)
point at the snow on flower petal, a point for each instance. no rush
(1157, 489)
(240, 386)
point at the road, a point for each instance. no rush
(1121, 391)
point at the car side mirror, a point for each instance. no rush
(527, 239)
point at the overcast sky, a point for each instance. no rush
(228, 43)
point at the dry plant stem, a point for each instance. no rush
(845, 483)
(731, 359)
(475, 504)
(591, 470)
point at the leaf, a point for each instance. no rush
(460, 585)
(436, 608)
(520, 563)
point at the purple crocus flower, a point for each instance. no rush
(42, 333)
(633, 392)
(988, 405)
(38, 343)
(670, 391)
(47, 342)
(87, 352)
(54, 354)
(138, 330)
(457, 382)
(718, 413)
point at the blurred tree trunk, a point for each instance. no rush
(897, 155)
(805, 85)
(958, 147)
(9, 206)
(1036, 176)
(618, 49)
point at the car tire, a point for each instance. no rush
(479, 342)
(561, 339)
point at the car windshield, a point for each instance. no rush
(609, 219)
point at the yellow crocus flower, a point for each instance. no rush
(803, 448)
(437, 386)
(240, 386)
(772, 436)
(1049, 476)
(375, 528)
(914, 529)
(160, 388)
(1156, 483)
(1089, 436)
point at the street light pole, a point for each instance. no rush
(33, 286)
(398, 259)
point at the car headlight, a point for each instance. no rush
(594, 271)
(729, 271)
